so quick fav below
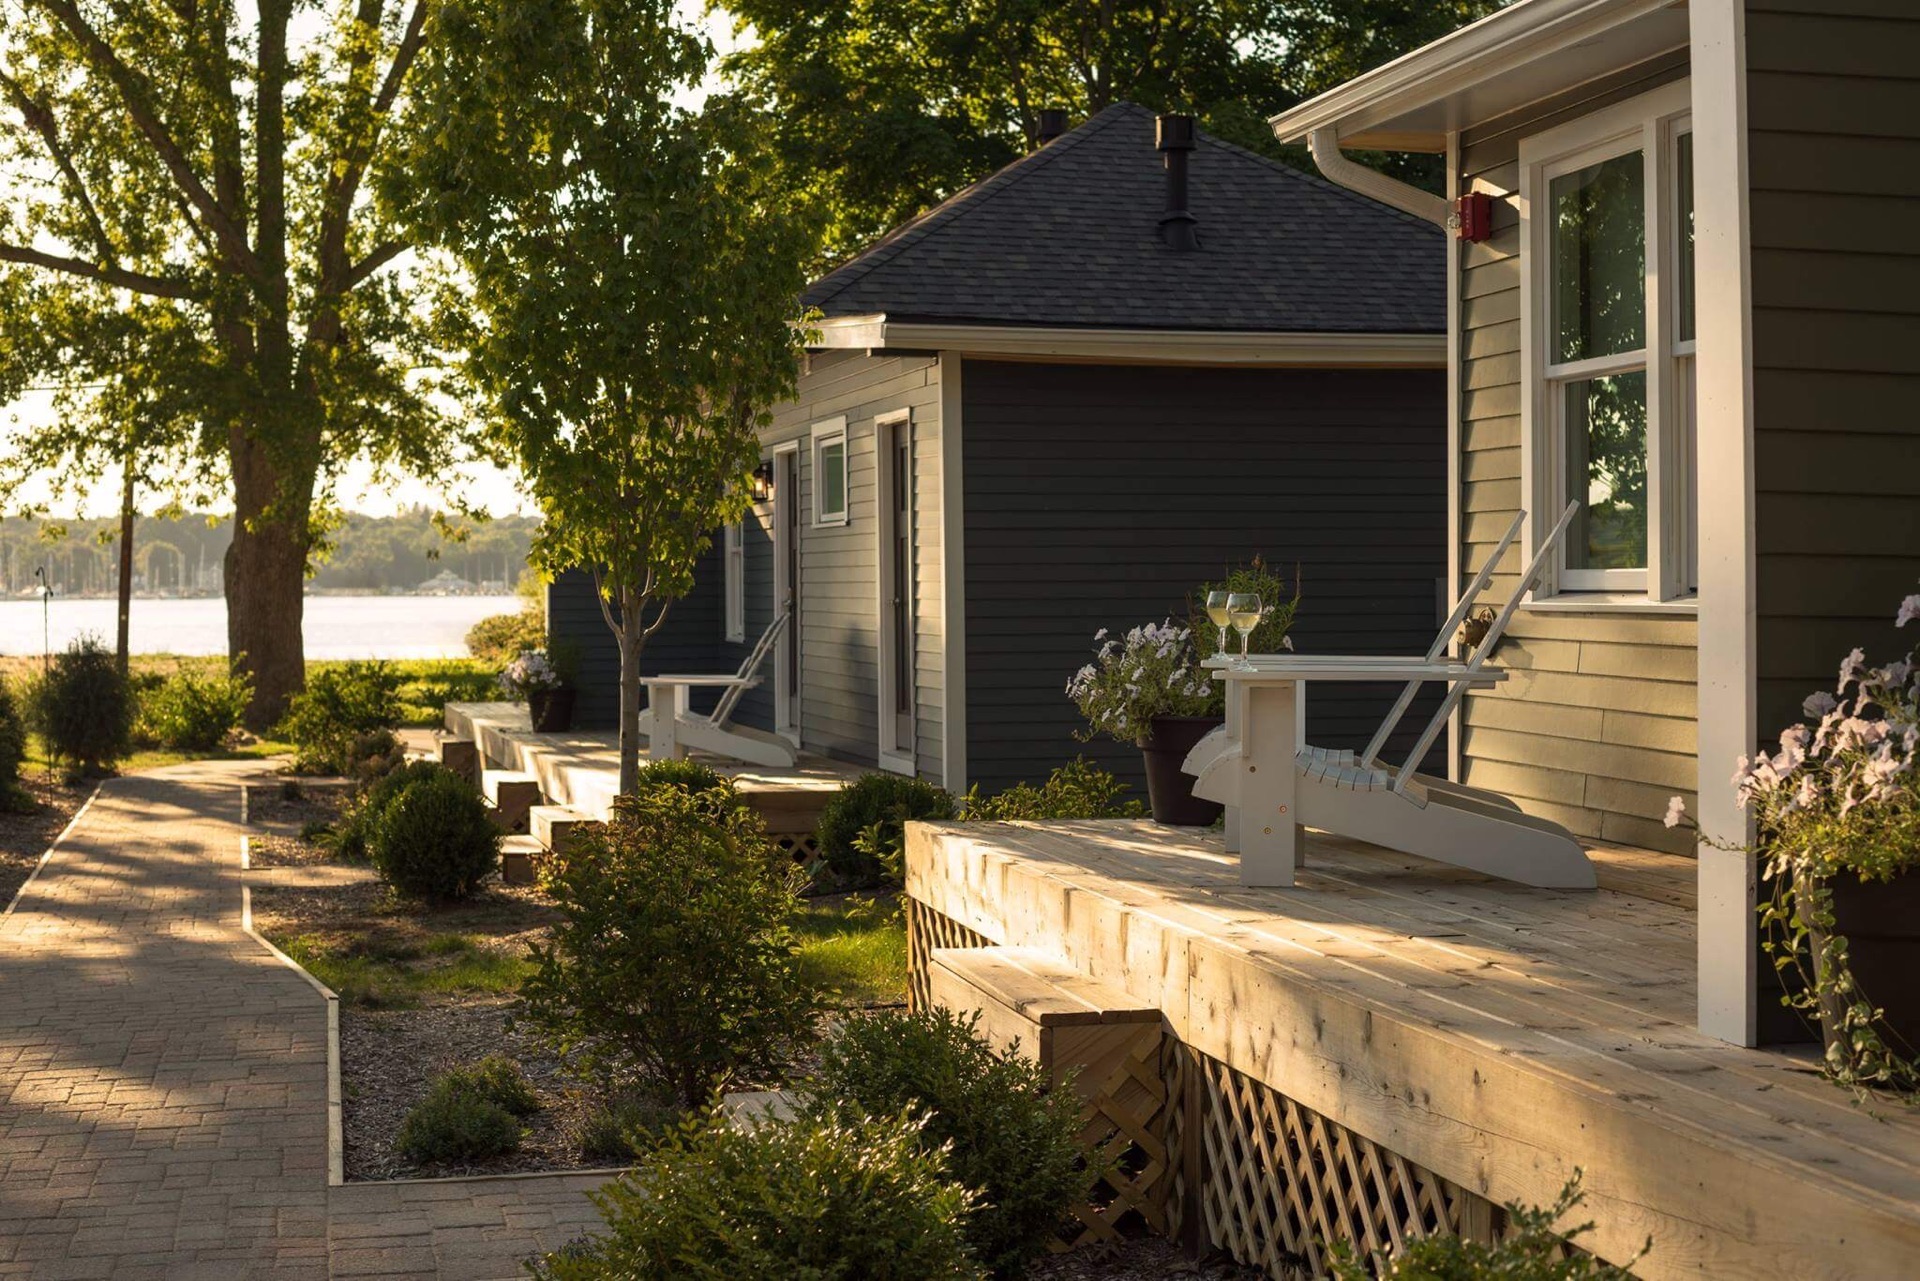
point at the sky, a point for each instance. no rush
(491, 489)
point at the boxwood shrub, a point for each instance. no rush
(435, 840)
(862, 830)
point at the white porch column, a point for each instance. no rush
(1724, 369)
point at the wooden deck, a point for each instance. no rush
(581, 768)
(1498, 1035)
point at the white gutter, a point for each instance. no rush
(1155, 346)
(1324, 143)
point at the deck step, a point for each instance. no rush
(462, 756)
(520, 858)
(554, 826)
(1057, 1015)
(512, 794)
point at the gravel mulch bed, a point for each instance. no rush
(1151, 1259)
(25, 837)
(389, 1058)
(277, 816)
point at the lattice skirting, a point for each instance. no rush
(1220, 1160)
(926, 930)
(803, 847)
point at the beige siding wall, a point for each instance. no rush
(839, 564)
(1594, 727)
(1833, 103)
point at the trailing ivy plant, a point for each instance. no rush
(1838, 799)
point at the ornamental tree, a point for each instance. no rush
(627, 285)
(189, 179)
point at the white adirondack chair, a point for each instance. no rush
(672, 727)
(1353, 794)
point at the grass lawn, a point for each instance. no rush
(856, 947)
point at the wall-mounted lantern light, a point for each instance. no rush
(763, 481)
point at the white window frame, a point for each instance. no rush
(1646, 124)
(823, 434)
(733, 562)
(894, 755)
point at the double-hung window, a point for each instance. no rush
(830, 472)
(1607, 347)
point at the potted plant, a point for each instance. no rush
(1838, 813)
(1148, 689)
(537, 678)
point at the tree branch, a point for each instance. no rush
(378, 257)
(119, 277)
(233, 240)
(39, 118)
(346, 186)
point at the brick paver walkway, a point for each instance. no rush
(163, 1079)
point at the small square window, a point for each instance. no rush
(830, 477)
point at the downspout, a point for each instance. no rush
(1325, 146)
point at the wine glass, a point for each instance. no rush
(1217, 615)
(1244, 612)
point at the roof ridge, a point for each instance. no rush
(893, 243)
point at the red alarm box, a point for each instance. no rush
(1474, 214)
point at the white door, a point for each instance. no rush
(893, 447)
(786, 590)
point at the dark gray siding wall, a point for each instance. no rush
(1097, 496)
(693, 639)
(1833, 114)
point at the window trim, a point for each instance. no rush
(733, 567)
(823, 434)
(1646, 124)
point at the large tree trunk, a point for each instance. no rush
(266, 575)
(633, 642)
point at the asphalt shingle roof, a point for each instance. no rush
(1069, 236)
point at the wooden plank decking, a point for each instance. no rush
(1496, 1034)
(581, 768)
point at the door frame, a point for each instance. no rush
(788, 659)
(890, 432)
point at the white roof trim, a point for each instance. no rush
(1496, 44)
(1154, 346)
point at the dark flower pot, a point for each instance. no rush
(1881, 922)
(550, 710)
(1170, 788)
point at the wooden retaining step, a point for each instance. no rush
(1109, 1041)
(462, 756)
(554, 825)
(520, 858)
(512, 794)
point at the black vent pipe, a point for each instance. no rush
(1053, 123)
(1173, 138)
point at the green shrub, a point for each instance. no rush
(674, 960)
(459, 1120)
(13, 744)
(329, 721)
(1078, 789)
(862, 1200)
(1531, 1250)
(352, 836)
(83, 708)
(499, 638)
(627, 1128)
(189, 713)
(500, 1080)
(694, 776)
(1014, 1140)
(862, 830)
(434, 840)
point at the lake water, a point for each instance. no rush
(335, 626)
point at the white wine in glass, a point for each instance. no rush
(1244, 612)
(1217, 615)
